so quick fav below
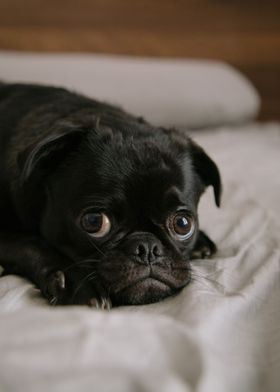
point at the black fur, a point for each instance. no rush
(60, 153)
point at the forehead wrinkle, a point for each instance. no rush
(173, 196)
(129, 167)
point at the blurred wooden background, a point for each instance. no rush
(244, 33)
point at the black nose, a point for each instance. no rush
(146, 250)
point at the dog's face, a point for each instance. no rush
(124, 208)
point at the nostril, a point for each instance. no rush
(156, 251)
(141, 251)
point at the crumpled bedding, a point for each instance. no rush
(221, 333)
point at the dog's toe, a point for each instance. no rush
(204, 247)
(102, 303)
(55, 287)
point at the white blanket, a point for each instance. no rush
(220, 334)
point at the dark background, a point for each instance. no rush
(244, 33)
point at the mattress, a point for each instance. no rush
(221, 333)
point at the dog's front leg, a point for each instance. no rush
(204, 247)
(57, 278)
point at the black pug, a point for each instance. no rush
(97, 206)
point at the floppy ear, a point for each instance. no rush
(207, 170)
(35, 163)
(41, 157)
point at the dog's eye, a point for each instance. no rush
(97, 224)
(181, 225)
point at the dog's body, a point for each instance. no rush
(97, 205)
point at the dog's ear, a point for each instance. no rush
(207, 170)
(41, 157)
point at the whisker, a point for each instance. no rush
(95, 246)
(80, 263)
(204, 284)
(212, 281)
(88, 277)
(90, 260)
(53, 301)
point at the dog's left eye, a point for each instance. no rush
(97, 224)
(181, 225)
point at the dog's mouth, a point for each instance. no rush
(143, 283)
(150, 288)
(132, 283)
(143, 291)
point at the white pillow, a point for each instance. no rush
(182, 93)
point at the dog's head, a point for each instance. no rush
(122, 203)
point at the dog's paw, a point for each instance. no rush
(204, 247)
(62, 289)
(55, 287)
(202, 253)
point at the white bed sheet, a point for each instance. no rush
(222, 333)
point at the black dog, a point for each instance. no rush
(97, 206)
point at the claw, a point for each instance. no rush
(206, 252)
(202, 253)
(56, 284)
(103, 303)
(93, 303)
(196, 255)
(59, 278)
(106, 303)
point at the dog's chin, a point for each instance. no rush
(143, 291)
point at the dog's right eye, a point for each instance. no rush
(97, 224)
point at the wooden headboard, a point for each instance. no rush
(244, 33)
